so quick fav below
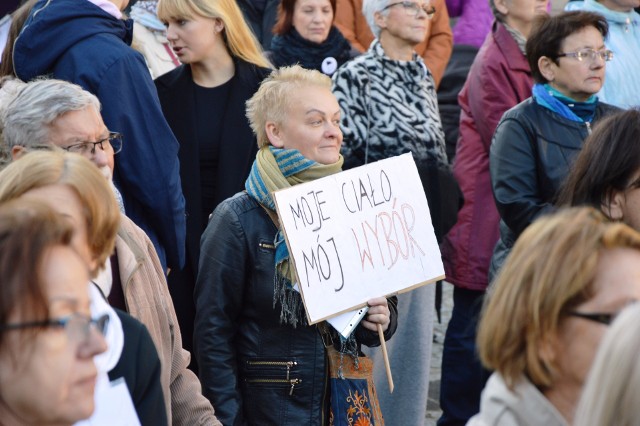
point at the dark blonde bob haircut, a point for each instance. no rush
(549, 272)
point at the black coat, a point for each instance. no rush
(238, 144)
(531, 154)
(238, 148)
(239, 340)
(139, 365)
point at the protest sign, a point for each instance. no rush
(359, 234)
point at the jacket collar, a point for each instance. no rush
(525, 401)
(409, 71)
(505, 42)
(130, 254)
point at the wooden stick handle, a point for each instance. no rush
(385, 355)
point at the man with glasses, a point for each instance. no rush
(88, 43)
(53, 113)
(621, 86)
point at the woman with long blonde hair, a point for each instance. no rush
(204, 103)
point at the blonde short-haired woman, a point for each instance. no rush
(260, 362)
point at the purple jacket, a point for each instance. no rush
(474, 21)
(499, 79)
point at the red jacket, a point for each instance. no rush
(499, 79)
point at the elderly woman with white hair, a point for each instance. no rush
(389, 106)
(388, 95)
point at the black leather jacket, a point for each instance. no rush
(254, 369)
(531, 154)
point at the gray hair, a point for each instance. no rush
(500, 17)
(369, 9)
(28, 109)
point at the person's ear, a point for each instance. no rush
(218, 25)
(547, 68)
(613, 205)
(274, 134)
(380, 20)
(501, 6)
(547, 350)
(17, 151)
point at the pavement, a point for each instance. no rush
(433, 403)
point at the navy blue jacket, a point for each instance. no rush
(75, 40)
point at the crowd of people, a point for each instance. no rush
(145, 264)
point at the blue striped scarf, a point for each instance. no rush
(275, 169)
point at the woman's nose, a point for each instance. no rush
(171, 34)
(332, 130)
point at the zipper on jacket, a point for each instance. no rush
(292, 382)
(287, 364)
(588, 127)
(267, 246)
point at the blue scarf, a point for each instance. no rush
(274, 169)
(552, 99)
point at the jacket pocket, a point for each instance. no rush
(272, 373)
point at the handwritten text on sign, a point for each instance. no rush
(359, 234)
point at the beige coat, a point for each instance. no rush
(147, 298)
(525, 405)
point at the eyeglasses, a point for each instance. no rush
(590, 54)
(86, 148)
(413, 9)
(77, 326)
(602, 318)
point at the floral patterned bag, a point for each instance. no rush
(354, 401)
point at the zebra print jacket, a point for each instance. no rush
(388, 108)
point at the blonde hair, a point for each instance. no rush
(612, 388)
(548, 273)
(237, 35)
(43, 168)
(271, 101)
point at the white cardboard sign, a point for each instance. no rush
(359, 234)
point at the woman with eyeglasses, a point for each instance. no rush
(435, 48)
(536, 141)
(305, 35)
(77, 191)
(48, 338)
(389, 106)
(568, 276)
(621, 87)
(387, 95)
